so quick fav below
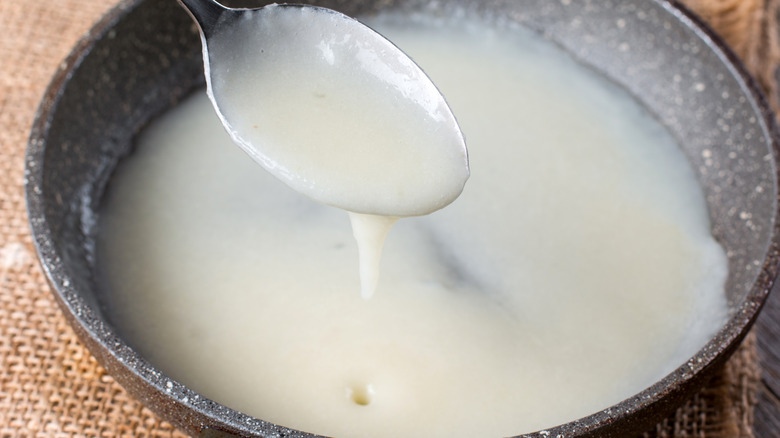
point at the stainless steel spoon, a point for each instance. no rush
(252, 40)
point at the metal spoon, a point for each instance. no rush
(241, 42)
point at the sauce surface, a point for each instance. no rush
(576, 268)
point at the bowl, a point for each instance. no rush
(145, 55)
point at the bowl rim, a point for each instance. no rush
(118, 357)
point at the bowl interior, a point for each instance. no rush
(146, 55)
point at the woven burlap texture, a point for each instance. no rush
(50, 386)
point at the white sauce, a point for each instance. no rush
(575, 270)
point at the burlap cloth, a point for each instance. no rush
(50, 386)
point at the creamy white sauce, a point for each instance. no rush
(575, 270)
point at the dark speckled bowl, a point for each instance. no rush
(145, 56)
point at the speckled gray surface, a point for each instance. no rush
(145, 56)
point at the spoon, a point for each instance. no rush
(336, 112)
(331, 108)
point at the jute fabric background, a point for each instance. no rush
(50, 386)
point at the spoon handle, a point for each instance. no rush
(205, 12)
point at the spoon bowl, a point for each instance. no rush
(331, 108)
